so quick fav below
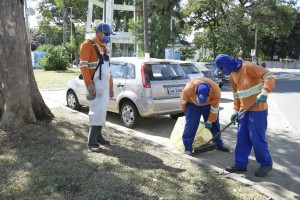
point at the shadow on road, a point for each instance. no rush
(285, 81)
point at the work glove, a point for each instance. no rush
(233, 117)
(208, 125)
(262, 97)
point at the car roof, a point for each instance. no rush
(199, 65)
(140, 60)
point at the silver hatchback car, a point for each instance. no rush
(142, 88)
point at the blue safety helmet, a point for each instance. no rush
(104, 27)
(227, 64)
(202, 92)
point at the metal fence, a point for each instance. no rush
(282, 64)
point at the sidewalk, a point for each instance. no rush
(282, 182)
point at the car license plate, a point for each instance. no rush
(174, 90)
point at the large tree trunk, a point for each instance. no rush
(20, 100)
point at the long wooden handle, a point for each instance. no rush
(223, 129)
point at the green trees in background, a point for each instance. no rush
(230, 26)
(162, 15)
(222, 26)
(50, 26)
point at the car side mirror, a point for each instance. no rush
(80, 77)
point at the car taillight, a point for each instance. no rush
(144, 76)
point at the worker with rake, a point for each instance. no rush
(201, 97)
(251, 85)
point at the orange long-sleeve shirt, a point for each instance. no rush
(89, 60)
(189, 94)
(248, 82)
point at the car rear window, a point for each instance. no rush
(190, 69)
(165, 72)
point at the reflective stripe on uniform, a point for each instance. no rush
(182, 101)
(89, 65)
(246, 93)
(83, 63)
(214, 110)
(196, 103)
(268, 75)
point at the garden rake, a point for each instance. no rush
(207, 146)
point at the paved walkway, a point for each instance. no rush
(283, 182)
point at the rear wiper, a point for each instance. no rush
(176, 77)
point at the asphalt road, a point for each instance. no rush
(283, 133)
(287, 96)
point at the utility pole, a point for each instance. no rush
(172, 35)
(104, 11)
(28, 12)
(255, 41)
(71, 17)
(64, 8)
(146, 33)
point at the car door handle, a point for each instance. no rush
(120, 85)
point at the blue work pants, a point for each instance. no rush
(193, 115)
(252, 127)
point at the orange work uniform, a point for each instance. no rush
(189, 94)
(248, 82)
(102, 80)
(89, 60)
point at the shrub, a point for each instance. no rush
(207, 59)
(44, 47)
(54, 59)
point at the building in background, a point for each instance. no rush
(108, 10)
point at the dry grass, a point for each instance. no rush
(54, 79)
(50, 160)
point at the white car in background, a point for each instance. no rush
(190, 69)
(142, 88)
(202, 70)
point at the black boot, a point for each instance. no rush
(92, 140)
(100, 138)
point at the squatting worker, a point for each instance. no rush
(98, 79)
(250, 83)
(201, 97)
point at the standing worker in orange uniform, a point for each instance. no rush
(250, 83)
(94, 66)
(201, 97)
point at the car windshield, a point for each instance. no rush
(208, 73)
(165, 72)
(190, 69)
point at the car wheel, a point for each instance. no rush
(130, 115)
(175, 116)
(72, 101)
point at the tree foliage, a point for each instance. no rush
(50, 27)
(161, 15)
(230, 26)
(225, 26)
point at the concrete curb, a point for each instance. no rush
(166, 144)
(277, 192)
(237, 177)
